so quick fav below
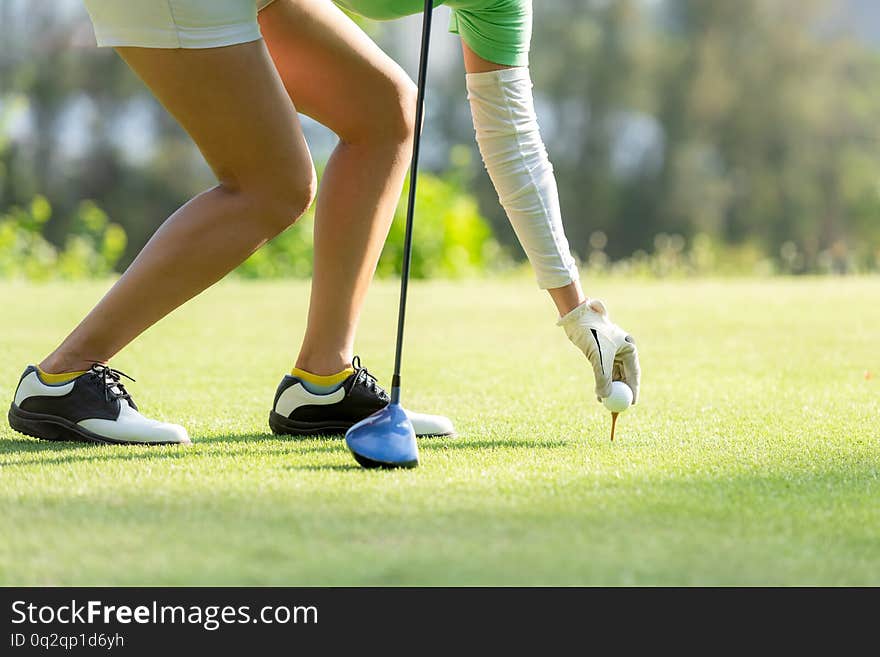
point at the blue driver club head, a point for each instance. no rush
(386, 439)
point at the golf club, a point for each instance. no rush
(386, 439)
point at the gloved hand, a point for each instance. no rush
(611, 350)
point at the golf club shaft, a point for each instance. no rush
(411, 201)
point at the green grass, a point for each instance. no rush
(752, 459)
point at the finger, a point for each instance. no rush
(602, 360)
(632, 371)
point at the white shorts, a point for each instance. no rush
(175, 23)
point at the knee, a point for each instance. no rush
(286, 198)
(404, 116)
(391, 118)
(281, 198)
(304, 190)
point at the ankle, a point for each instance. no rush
(61, 364)
(324, 364)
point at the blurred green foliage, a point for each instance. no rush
(92, 248)
(452, 238)
(753, 123)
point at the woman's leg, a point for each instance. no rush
(337, 75)
(233, 104)
(517, 163)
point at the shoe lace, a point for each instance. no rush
(110, 381)
(362, 375)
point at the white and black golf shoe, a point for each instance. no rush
(94, 407)
(299, 412)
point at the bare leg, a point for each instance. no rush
(234, 106)
(570, 296)
(337, 75)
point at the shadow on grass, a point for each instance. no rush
(439, 444)
(323, 468)
(28, 445)
(33, 445)
(458, 443)
(45, 452)
(73, 452)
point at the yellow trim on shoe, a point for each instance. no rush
(55, 379)
(323, 380)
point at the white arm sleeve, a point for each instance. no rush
(510, 142)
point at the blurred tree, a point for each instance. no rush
(775, 126)
(743, 121)
(74, 99)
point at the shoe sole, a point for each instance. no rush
(57, 429)
(284, 426)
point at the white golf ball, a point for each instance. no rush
(620, 399)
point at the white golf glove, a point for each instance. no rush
(611, 350)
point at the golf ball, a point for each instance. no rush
(620, 399)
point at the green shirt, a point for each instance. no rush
(497, 30)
